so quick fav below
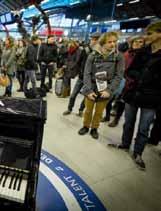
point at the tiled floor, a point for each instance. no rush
(109, 172)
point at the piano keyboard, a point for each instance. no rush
(13, 184)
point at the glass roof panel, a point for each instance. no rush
(50, 4)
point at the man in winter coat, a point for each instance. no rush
(72, 66)
(144, 92)
(31, 63)
(102, 75)
(48, 57)
(79, 83)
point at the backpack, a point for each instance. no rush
(31, 94)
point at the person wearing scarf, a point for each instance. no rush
(71, 67)
(102, 75)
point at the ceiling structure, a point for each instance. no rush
(116, 9)
(126, 9)
(80, 9)
(10, 5)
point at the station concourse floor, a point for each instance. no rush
(109, 172)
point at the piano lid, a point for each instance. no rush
(36, 108)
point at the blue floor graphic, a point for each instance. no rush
(61, 189)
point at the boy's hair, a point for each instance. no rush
(105, 36)
(154, 27)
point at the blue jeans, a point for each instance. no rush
(146, 118)
(30, 75)
(44, 68)
(9, 88)
(76, 90)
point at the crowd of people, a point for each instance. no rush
(113, 79)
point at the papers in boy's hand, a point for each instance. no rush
(101, 81)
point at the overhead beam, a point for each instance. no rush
(9, 5)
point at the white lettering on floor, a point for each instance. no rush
(75, 186)
(88, 204)
(46, 159)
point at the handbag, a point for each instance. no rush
(60, 73)
(4, 80)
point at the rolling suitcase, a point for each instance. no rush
(59, 86)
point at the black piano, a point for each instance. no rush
(21, 132)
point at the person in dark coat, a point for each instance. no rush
(48, 57)
(31, 63)
(20, 62)
(154, 36)
(72, 66)
(79, 83)
(135, 43)
(143, 90)
(62, 54)
(155, 135)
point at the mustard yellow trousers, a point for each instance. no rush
(92, 117)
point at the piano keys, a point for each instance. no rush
(13, 184)
(21, 132)
(15, 163)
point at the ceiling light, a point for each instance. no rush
(150, 16)
(136, 18)
(119, 5)
(110, 21)
(45, 1)
(75, 2)
(133, 2)
(89, 16)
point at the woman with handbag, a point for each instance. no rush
(8, 63)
